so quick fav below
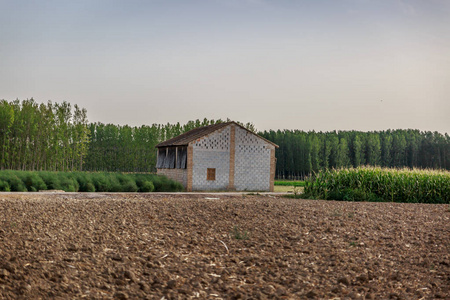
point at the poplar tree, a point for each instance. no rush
(386, 149)
(6, 122)
(358, 150)
(342, 157)
(373, 150)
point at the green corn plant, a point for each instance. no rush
(380, 184)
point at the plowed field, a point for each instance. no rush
(137, 246)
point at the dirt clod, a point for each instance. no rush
(343, 280)
(120, 296)
(311, 295)
(129, 275)
(4, 273)
(171, 284)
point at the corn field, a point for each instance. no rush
(380, 184)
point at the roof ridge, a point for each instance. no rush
(195, 133)
(189, 136)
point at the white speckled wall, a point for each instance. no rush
(252, 171)
(212, 151)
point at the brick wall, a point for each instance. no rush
(179, 175)
(253, 160)
(212, 151)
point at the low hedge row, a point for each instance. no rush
(32, 181)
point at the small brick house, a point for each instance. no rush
(224, 156)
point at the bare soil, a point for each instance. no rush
(138, 246)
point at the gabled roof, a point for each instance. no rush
(191, 135)
(196, 133)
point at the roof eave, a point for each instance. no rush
(190, 140)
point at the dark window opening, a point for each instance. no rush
(211, 174)
(182, 158)
(171, 158)
(161, 158)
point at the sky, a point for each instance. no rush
(318, 65)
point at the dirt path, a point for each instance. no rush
(137, 246)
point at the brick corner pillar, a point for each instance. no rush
(190, 167)
(272, 169)
(232, 158)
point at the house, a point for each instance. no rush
(224, 156)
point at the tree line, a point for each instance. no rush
(57, 137)
(50, 136)
(302, 153)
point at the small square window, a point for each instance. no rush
(211, 174)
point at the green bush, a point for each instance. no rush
(147, 187)
(90, 188)
(158, 183)
(163, 184)
(142, 178)
(51, 179)
(14, 182)
(4, 186)
(127, 183)
(114, 183)
(68, 183)
(34, 182)
(85, 182)
(175, 186)
(129, 186)
(101, 183)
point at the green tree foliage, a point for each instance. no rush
(301, 152)
(386, 150)
(343, 158)
(358, 151)
(42, 137)
(373, 150)
(6, 122)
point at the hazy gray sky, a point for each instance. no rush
(281, 64)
